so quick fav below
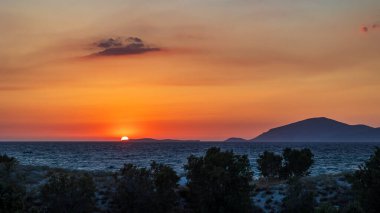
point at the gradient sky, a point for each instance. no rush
(205, 69)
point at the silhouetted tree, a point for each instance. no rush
(12, 192)
(8, 163)
(326, 208)
(366, 183)
(11, 197)
(296, 162)
(165, 181)
(64, 193)
(219, 182)
(353, 207)
(140, 190)
(269, 164)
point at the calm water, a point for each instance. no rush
(329, 157)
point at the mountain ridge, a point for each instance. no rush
(320, 129)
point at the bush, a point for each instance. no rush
(11, 197)
(298, 199)
(352, 208)
(326, 208)
(269, 164)
(145, 190)
(12, 193)
(366, 183)
(219, 182)
(165, 181)
(8, 163)
(69, 193)
(296, 162)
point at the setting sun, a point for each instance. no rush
(124, 138)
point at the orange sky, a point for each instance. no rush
(218, 69)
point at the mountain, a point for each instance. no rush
(235, 140)
(320, 130)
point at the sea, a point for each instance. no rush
(110, 156)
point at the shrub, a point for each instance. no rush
(165, 181)
(352, 208)
(219, 182)
(69, 193)
(145, 190)
(296, 162)
(8, 163)
(326, 208)
(269, 164)
(298, 199)
(12, 192)
(366, 183)
(11, 197)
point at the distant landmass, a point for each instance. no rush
(320, 130)
(235, 140)
(159, 140)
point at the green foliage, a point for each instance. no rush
(146, 190)
(326, 208)
(298, 199)
(269, 164)
(64, 193)
(366, 183)
(8, 163)
(219, 182)
(296, 162)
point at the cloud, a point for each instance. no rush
(123, 46)
(364, 29)
(109, 43)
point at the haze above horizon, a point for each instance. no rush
(210, 70)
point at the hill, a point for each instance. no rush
(234, 139)
(320, 130)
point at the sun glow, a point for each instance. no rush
(124, 138)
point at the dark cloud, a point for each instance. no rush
(109, 43)
(367, 28)
(364, 29)
(123, 46)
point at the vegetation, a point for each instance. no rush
(8, 163)
(219, 182)
(11, 197)
(292, 163)
(326, 208)
(366, 183)
(296, 162)
(12, 194)
(146, 190)
(298, 199)
(269, 164)
(352, 208)
(69, 193)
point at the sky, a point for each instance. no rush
(184, 69)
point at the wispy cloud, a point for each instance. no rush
(367, 28)
(123, 46)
